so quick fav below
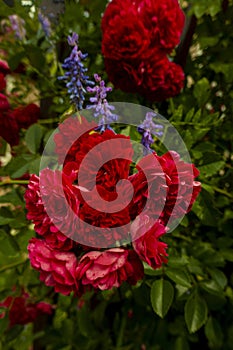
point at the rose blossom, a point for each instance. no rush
(173, 175)
(72, 132)
(108, 269)
(125, 23)
(147, 244)
(43, 223)
(26, 115)
(162, 79)
(9, 128)
(22, 310)
(2, 82)
(183, 189)
(57, 268)
(124, 35)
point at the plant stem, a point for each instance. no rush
(14, 182)
(121, 333)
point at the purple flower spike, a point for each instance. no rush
(18, 26)
(75, 76)
(45, 24)
(147, 128)
(99, 103)
(73, 39)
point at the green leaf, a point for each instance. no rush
(202, 91)
(179, 277)
(195, 312)
(5, 221)
(181, 344)
(214, 333)
(84, 321)
(162, 293)
(211, 168)
(219, 277)
(33, 138)
(225, 68)
(227, 254)
(212, 287)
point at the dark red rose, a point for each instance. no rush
(124, 35)
(2, 82)
(57, 268)
(162, 79)
(110, 268)
(9, 129)
(4, 68)
(164, 21)
(147, 246)
(132, 28)
(22, 310)
(124, 75)
(26, 115)
(4, 104)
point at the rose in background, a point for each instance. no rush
(23, 310)
(12, 120)
(137, 36)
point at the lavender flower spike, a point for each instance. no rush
(102, 108)
(76, 79)
(18, 26)
(45, 24)
(147, 128)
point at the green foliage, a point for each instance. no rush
(186, 304)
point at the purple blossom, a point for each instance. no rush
(99, 103)
(76, 79)
(45, 23)
(147, 128)
(18, 26)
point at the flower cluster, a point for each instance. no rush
(137, 36)
(18, 26)
(100, 104)
(13, 119)
(81, 244)
(75, 76)
(23, 310)
(148, 127)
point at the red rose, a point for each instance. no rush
(168, 190)
(2, 82)
(183, 190)
(95, 169)
(4, 68)
(4, 104)
(26, 115)
(124, 35)
(22, 310)
(136, 38)
(42, 222)
(150, 187)
(164, 21)
(9, 129)
(57, 268)
(147, 246)
(162, 79)
(126, 76)
(131, 29)
(108, 269)
(72, 133)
